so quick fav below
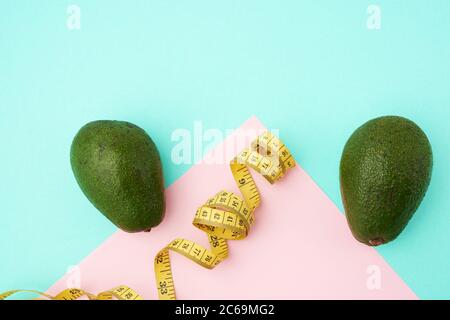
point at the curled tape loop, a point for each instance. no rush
(227, 216)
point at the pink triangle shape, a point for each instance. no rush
(299, 248)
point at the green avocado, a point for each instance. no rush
(118, 168)
(385, 171)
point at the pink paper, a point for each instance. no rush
(299, 248)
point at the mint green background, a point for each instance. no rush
(310, 68)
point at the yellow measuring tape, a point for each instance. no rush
(120, 293)
(226, 216)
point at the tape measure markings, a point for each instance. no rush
(226, 216)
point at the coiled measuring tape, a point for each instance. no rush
(226, 216)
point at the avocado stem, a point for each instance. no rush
(376, 242)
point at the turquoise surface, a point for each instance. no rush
(309, 68)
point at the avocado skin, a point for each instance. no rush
(118, 168)
(385, 171)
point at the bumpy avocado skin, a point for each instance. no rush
(118, 168)
(385, 171)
